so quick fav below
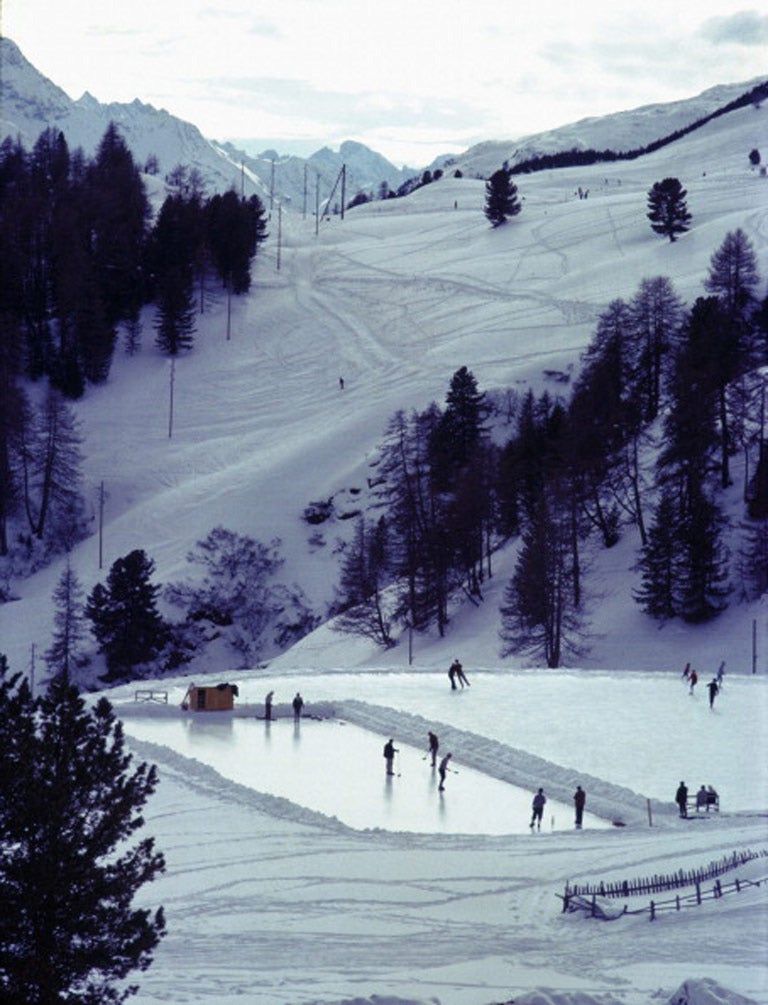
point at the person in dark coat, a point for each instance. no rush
(687, 671)
(434, 745)
(693, 680)
(452, 674)
(681, 798)
(298, 704)
(461, 677)
(389, 755)
(579, 798)
(538, 808)
(713, 687)
(443, 770)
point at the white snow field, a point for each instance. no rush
(273, 900)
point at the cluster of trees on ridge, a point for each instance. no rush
(665, 398)
(81, 255)
(657, 380)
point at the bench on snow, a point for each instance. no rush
(161, 697)
(697, 803)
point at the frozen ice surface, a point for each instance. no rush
(338, 769)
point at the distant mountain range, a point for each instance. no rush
(30, 103)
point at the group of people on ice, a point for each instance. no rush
(706, 799)
(443, 767)
(715, 685)
(540, 800)
(297, 704)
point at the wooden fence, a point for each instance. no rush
(663, 883)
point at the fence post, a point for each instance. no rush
(650, 813)
(698, 892)
(677, 901)
(653, 911)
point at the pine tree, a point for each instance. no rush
(364, 574)
(501, 200)
(51, 461)
(70, 806)
(66, 649)
(658, 562)
(667, 209)
(539, 615)
(124, 615)
(656, 313)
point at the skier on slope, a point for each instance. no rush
(538, 808)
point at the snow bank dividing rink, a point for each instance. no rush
(619, 805)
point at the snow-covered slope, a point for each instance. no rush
(622, 131)
(269, 903)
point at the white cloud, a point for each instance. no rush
(434, 69)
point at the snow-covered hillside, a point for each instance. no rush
(270, 902)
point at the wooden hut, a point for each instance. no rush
(216, 698)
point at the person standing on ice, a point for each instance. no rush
(443, 771)
(538, 808)
(713, 687)
(681, 798)
(298, 704)
(720, 674)
(579, 798)
(389, 755)
(693, 679)
(434, 745)
(687, 671)
(461, 677)
(452, 673)
(268, 706)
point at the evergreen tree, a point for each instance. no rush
(667, 209)
(501, 200)
(539, 615)
(364, 574)
(65, 651)
(51, 469)
(124, 616)
(656, 314)
(175, 244)
(658, 562)
(702, 575)
(119, 215)
(70, 806)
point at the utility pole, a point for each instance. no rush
(272, 188)
(172, 377)
(101, 523)
(229, 313)
(317, 204)
(279, 232)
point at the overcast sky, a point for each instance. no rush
(409, 78)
